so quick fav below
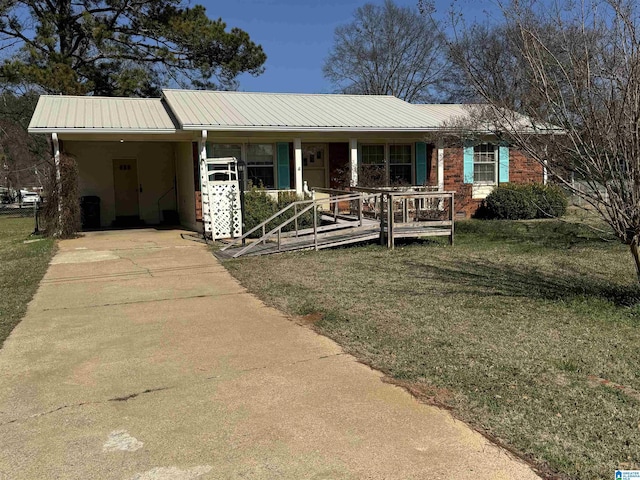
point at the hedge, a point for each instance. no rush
(259, 206)
(523, 202)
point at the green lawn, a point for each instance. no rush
(528, 331)
(22, 266)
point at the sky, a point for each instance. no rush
(297, 35)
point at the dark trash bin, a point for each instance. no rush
(90, 211)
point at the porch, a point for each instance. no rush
(348, 217)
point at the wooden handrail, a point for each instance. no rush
(265, 236)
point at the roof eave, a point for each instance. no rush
(110, 131)
(269, 128)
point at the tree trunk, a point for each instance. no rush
(636, 257)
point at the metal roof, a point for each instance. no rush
(57, 113)
(245, 111)
(445, 112)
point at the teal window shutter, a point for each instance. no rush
(503, 167)
(421, 163)
(284, 182)
(468, 162)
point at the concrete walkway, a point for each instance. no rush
(140, 357)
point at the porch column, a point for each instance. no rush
(353, 161)
(297, 157)
(56, 158)
(206, 211)
(440, 166)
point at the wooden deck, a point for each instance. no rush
(308, 242)
(339, 228)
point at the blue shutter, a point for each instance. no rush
(468, 162)
(503, 166)
(284, 182)
(421, 163)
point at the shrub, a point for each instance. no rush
(259, 206)
(509, 202)
(523, 202)
(550, 200)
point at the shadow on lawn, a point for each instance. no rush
(507, 280)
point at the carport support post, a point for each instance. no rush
(56, 159)
(353, 162)
(206, 210)
(297, 157)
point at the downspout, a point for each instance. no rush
(56, 158)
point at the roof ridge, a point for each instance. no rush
(237, 92)
(101, 97)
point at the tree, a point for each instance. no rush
(120, 47)
(562, 83)
(387, 50)
(22, 156)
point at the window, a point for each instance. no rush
(260, 166)
(484, 163)
(223, 150)
(400, 164)
(373, 168)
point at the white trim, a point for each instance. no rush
(297, 157)
(353, 161)
(440, 167)
(204, 197)
(120, 131)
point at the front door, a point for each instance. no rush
(314, 159)
(125, 183)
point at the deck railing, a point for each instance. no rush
(388, 213)
(299, 209)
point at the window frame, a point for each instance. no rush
(478, 152)
(410, 163)
(386, 164)
(262, 165)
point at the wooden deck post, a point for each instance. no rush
(315, 225)
(451, 217)
(390, 221)
(382, 218)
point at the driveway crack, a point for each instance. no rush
(131, 396)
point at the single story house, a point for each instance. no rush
(142, 157)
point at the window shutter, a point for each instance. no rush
(421, 163)
(284, 182)
(468, 162)
(503, 167)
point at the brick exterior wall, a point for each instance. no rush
(522, 169)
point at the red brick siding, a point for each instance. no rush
(522, 169)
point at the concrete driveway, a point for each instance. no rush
(140, 357)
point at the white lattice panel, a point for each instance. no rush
(221, 208)
(226, 218)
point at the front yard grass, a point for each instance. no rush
(22, 266)
(528, 331)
